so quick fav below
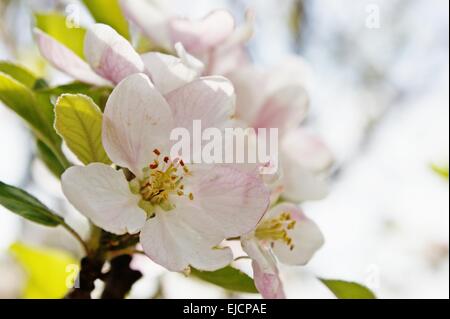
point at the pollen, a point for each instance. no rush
(276, 229)
(160, 181)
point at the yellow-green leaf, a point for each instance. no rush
(348, 290)
(50, 273)
(55, 25)
(109, 12)
(228, 278)
(79, 122)
(35, 110)
(441, 170)
(19, 73)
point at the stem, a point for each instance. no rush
(76, 236)
(120, 279)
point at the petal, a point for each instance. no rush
(269, 285)
(309, 150)
(200, 36)
(306, 235)
(209, 99)
(285, 109)
(136, 121)
(249, 83)
(65, 60)
(227, 202)
(174, 244)
(152, 21)
(265, 271)
(231, 54)
(168, 72)
(301, 185)
(306, 158)
(110, 54)
(292, 71)
(102, 194)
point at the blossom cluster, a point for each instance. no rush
(187, 213)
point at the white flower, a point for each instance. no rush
(183, 212)
(286, 234)
(110, 58)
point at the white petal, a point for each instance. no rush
(209, 99)
(136, 121)
(102, 194)
(200, 36)
(152, 21)
(174, 244)
(285, 109)
(301, 179)
(167, 72)
(110, 54)
(306, 235)
(309, 150)
(66, 60)
(228, 202)
(249, 83)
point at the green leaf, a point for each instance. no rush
(54, 24)
(441, 170)
(98, 94)
(49, 159)
(348, 290)
(19, 73)
(109, 12)
(49, 272)
(27, 105)
(35, 109)
(27, 206)
(228, 278)
(79, 122)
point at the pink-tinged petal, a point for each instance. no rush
(265, 270)
(188, 59)
(304, 160)
(309, 150)
(137, 120)
(301, 184)
(285, 109)
(102, 194)
(226, 202)
(209, 99)
(231, 54)
(110, 54)
(306, 235)
(169, 73)
(65, 60)
(292, 71)
(269, 285)
(174, 244)
(200, 36)
(249, 83)
(150, 19)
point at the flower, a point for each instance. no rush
(286, 234)
(183, 212)
(110, 58)
(214, 39)
(279, 99)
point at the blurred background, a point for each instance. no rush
(380, 100)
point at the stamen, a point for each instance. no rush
(159, 182)
(276, 229)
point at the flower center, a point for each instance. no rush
(276, 228)
(160, 180)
